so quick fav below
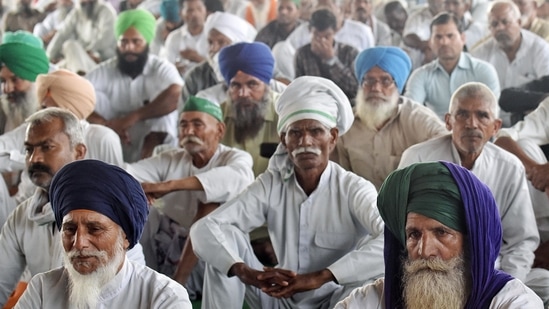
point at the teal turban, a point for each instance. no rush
(195, 104)
(392, 60)
(143, 21)
(427, 189)
(24, 54)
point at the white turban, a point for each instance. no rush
(317, 98)
(235, 28)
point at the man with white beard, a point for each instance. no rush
(385, 123)
(442, 238)
(100, 211)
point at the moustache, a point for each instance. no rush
(476, 134)
(39, 168)
(86, 253)
(301, 150)
(191, 139)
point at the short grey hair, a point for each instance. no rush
(72, 126)
(514, 8)
(478, 90)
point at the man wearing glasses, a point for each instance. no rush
(385, 123)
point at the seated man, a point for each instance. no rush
(100, 217)
(137, 93)
(193, 181)
(442, 238)
(54, 21)
(385, 123)
(279, 29)
(473, 120)
(24, 17)
(322, 220)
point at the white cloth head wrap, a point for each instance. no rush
(235, 28)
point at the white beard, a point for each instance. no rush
(435, 284)
(374, 113)
(84, 290)
(17, 112)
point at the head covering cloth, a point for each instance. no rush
(68, 90)
(24, 54)
(103, 188)
(169, 10)
(254, 59)
(438, 181)
(392, 60)
(233, 27)
(196, 104)
(142, 20)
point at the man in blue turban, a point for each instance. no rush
(100, 210)
(442, 238)
(385, 123)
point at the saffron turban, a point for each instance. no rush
(456, 198)
(142, 20)
(254, 59)
(24, 54)
(169, 10)
(68, 90)
(317, 98)
(103, 188)
(195, 104)
(233, 27)
(392, 60)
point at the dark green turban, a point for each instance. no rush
(24, 54)
(427, 189)
(195, 104)
(142, 20)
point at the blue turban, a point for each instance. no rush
(254, 59)
(169, 10)
(392, 60)
(103, 188)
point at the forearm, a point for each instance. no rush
(413, 40)
(163, 104)
(96, 119)
(511, 146)
(189, 183)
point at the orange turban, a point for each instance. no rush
(68, 90)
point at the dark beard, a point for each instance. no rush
(88, 8)
(132, 68)
(249, 117)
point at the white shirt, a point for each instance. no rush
(513, 295)
(419, 23)
(180, 39)
(228, 172)
(135, 286)
(336, 227)
(504, 174)
(52, 22)
(535, 126)
(531, 61)
(118, 95)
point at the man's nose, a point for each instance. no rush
(427, 248)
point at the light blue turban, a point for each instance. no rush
(392, 60)
(169, 10)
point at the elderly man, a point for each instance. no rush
(322, 220)
(385, 123)
(442, 238)
(193, 181)
(100, 217)
(86, 37)
(472, 118)
(137, 93)
(434, 83)
(27, 240)
(279, 29)
(363, 11)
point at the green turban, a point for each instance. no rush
(195, 104)
(427, 189)
(24, 55)
(142, 20)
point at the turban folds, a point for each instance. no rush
(142, 20)
(233, 27)
(169, 10)
(476, 209)
(195, 104)
(392, 60)
(24, 55)
(68, 90)
(254, 59)
(103, 188)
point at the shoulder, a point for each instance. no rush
(502, 156)
(429, 145)
(515, 294)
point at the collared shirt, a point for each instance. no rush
(337, 227)
(134, 286)
(273, 33)
(433, 86)
(227, 173)
(504, 174)
(531, 60)
(179, 40)
(119, 94)
(375, 154)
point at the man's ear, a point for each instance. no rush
(80, 151)
(447, 121)
(334, 133)
(221, 129)
(283, 138)
(497, 125)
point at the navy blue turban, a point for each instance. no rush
(254, 59)
(169, 10)
(392, 60)
(103, 188)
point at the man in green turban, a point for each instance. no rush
(192, 182)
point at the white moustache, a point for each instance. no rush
(191, 139)
(85, 253)
(301, 150)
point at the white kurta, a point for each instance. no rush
(119, 94)
(180, 39)
(135, 286)
(337, 227)
(513, 295)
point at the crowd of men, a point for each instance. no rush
(274, 154)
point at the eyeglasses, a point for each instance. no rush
(385, 82)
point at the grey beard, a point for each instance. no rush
(17, 112)
(249, 121)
